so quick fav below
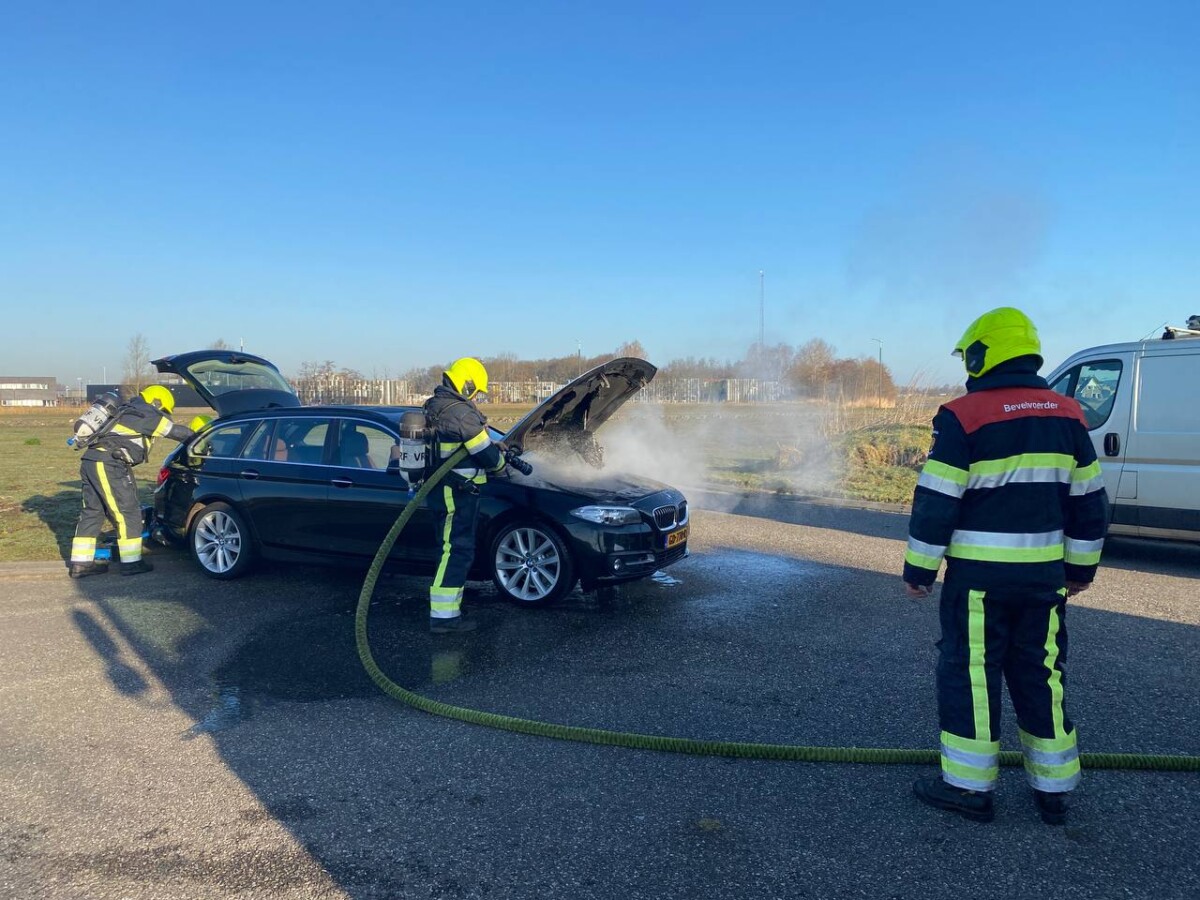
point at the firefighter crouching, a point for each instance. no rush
(457, 422)
(1013, 498)
(109, 487)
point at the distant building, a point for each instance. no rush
(28, 390)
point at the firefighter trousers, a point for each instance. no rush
(1021, 639)
(109, 492)
(454, 516)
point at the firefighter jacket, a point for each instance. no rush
(136, 426)
(457, 422)
(1012, 494)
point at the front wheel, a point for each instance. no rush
(530, 564)
(220, 542)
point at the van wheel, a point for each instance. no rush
(220, 542)
(530, 564)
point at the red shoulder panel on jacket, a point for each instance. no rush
(1003, 404)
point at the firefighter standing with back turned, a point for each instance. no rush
(1012, 496)
(109, 487)
(456, 422)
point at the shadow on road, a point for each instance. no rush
(394, 802)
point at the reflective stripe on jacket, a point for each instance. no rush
(1011, 495)
(457, 422)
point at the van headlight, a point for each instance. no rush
(608, 515)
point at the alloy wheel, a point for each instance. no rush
(217, 541)
(528, 564)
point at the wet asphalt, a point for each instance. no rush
(173, 736)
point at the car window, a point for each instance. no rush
(1094, 385)
(362, 445)
(260, 445)
(223, 376)
(301, 440)
(223, 440)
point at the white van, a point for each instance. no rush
(1142, 403)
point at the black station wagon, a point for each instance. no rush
(269, 478)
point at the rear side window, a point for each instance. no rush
(222, 441)
(1095, 385)
(1167, 398)
(259, 445)
(301, 440)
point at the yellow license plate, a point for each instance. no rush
(675, 538)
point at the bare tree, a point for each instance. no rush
(137, 362)
(219, 344)
(632, 348)
(813, 367)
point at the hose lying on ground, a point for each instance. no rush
(877, 755)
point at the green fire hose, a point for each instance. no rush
(877, 755)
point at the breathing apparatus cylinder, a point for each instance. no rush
(100, 413)
(412, 453)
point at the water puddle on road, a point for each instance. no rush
(228, 712)
(315, 658)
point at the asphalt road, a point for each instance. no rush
(171, 736)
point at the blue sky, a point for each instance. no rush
(394, 184)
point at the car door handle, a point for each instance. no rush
(250, 474)
(1112, 444)
(342, 482)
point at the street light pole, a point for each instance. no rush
(879, 389)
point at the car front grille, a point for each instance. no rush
(669, 516)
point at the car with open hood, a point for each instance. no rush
(269, 478)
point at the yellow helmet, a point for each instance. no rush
(199, 422)
(995, 337)
(468, 376)
(157, 394)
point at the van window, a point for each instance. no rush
(1095, 385)
(1167, 399)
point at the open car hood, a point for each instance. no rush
(231, 381)
(579, 408)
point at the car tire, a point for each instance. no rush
(220, 542)
(530, 564)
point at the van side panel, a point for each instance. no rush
(1164, 442)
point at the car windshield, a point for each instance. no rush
(225, 377)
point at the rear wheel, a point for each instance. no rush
(220, 542)
(530, 564)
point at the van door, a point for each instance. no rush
(1164, 443)
(1104, 389)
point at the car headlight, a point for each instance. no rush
(608, 515)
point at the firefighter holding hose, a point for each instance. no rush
(456, 422)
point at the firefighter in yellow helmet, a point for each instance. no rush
(456, 422)
(109, 487)
(1013, 499)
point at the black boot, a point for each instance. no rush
(83, 570)
(1053, 807)
(974, 805)
(456, 625)
(136, 568)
